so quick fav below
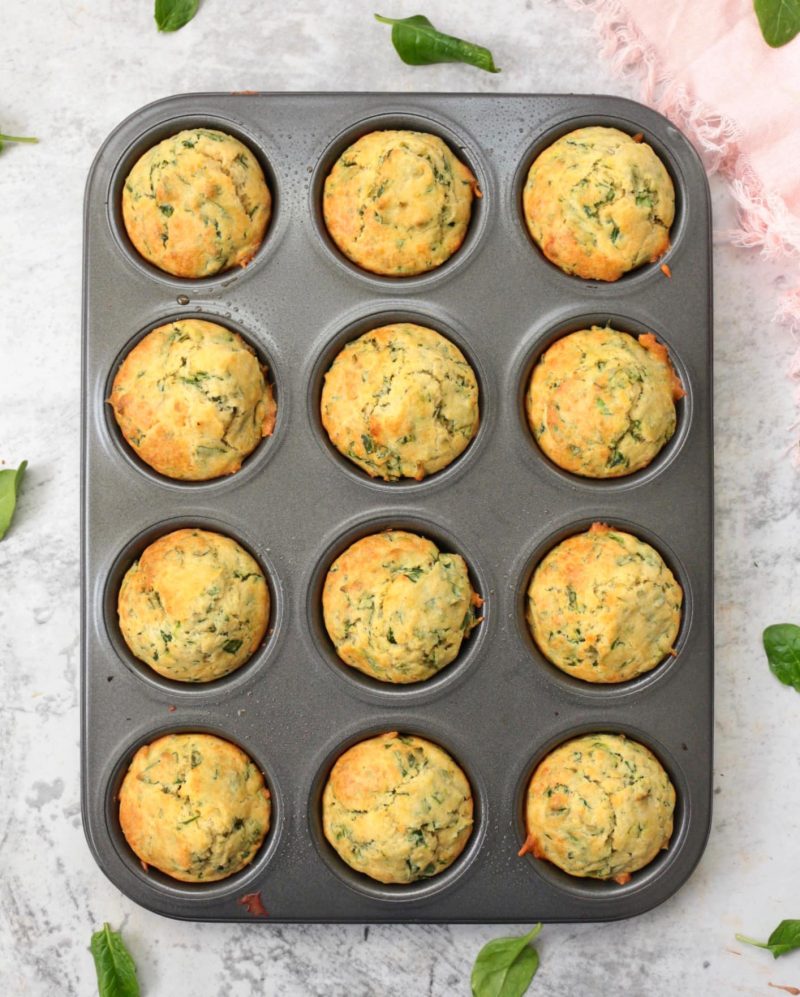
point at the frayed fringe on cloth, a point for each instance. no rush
(764, 220)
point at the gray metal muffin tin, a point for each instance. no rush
(296, 504)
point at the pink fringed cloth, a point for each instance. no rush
(705, 66)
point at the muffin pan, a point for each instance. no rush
(500, 706)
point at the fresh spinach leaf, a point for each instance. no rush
(116, 972)
(779, 20)
(785, 938)
(171, 15)
(9, 486)
(782, 644)
(16, 138)
(505, 966)
(418, 43)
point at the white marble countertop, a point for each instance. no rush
(69, 73)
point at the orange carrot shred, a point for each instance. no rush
(665, 269)
(638, 137)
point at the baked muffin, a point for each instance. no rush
(398, 203)
(601, 404)
(194, 806)
(196, 203)
(397, 808)
(603, 606)
(192, 400)
(194, 607)
(397, 608)
(400, 402)
(599, 806)
(599, 203)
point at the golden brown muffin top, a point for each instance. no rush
(397, 608)
(603, 606)
(398, 203)
(601, 806)
(599, 203)
(192, 400)
(601, 404)
(397, 808)
(400, 401)
(194, 606)
(194, 806)
(196, 203)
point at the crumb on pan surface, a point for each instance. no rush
(196, 203)
(600, 806)
(603, 606)
(397, 808)
(192, 400)
(397, 608)
(194, 606)
(398, 203)
(400, 401)
(602, 405)
(194, 806)
(598, 203)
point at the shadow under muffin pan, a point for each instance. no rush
(295, 505)
(662, 145)
(540, 343)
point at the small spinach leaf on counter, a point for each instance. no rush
(116, 971)
(785, 938)
(418, 43)
(9, 486)
(779, 20)
(16, 138)
(173, 14)
(505, 966)
(782, 644)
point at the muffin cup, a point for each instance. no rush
(597, 893)
(258, 143)
(562, 125)
(252, 670)
(358, 326)
(463, 146)
(364, 686)
(251, 464)
(599, 692)
(388, 893)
